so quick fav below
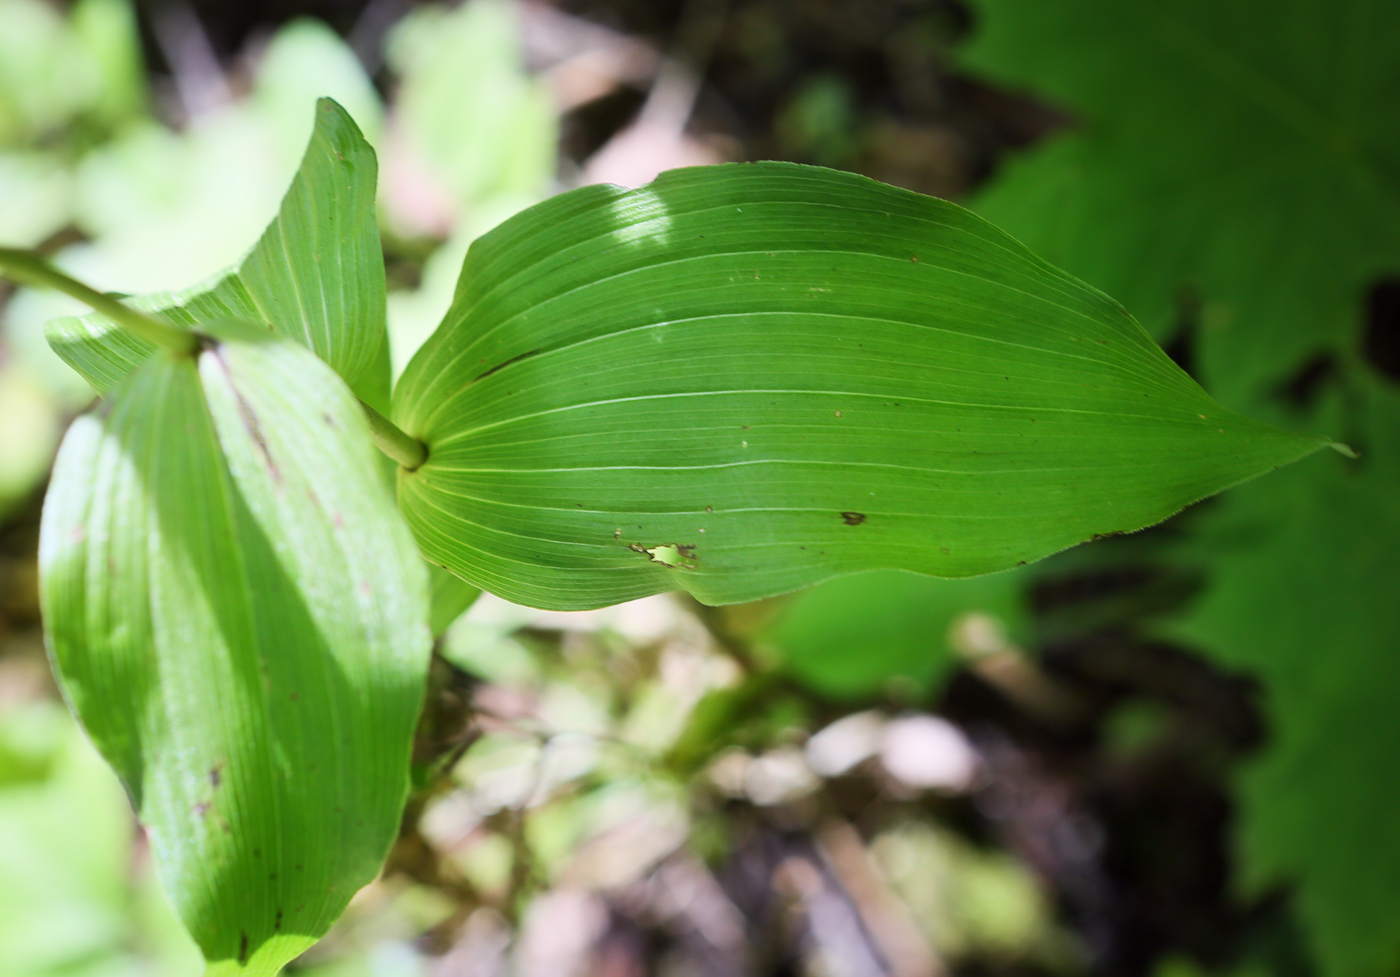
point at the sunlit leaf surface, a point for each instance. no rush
(238, 617)
(1236, 163)
(740, 380)
(317, 276)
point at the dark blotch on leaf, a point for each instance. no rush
(853, 518)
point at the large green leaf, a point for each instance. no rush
(238, 616)
(1304, 592)
(1241, 155)
(316, 276)
(740, 380)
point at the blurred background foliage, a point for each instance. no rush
(1170, 754)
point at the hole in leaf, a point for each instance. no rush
(678, 556)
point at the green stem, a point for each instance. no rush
(408, 451)
(29, 268)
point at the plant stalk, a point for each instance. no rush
(389, 438)
(29, 268)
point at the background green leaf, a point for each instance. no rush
(1236, 157)
(316, 275)
(1304, 594)
(850, 637)
(741, 380)
(238, 617)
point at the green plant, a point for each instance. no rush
(1234, 175)
(736, 381)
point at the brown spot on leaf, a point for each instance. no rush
(853, 518)
(216, 775)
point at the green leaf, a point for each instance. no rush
(449, 597)
(1241, 156)
(238, 617)
(1304, 593)
(316, 276)
(850, 637)
(740, 380)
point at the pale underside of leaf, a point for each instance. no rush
(316, 276)
(741, 380)
(238, 617)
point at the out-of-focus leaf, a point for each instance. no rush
(450, 596)
(34, 61)
(466, 105)
(238, 616)
(740, 380)
(35, 198)
(29, 431)
(1304, 592)
(68, 907)
(316, 275)
(306, 61)
(64, 844)
(1246, 154)
(55, 72)
(107, 33)
(851, 636)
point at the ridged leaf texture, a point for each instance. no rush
(743, 379)
(238, 616)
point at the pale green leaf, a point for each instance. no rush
(741, 380)
(467, 105)
(317, 276)
(238, 617)
(1304, 593)
(1238, 157)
